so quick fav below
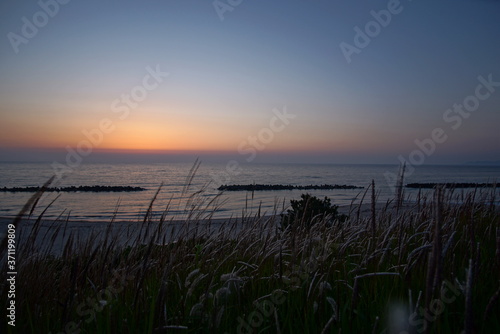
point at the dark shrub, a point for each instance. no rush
(309, 210)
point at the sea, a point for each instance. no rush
(179, 192)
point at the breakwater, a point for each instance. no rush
(450, 185)
(75, 189)
(260, 187)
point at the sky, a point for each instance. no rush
(265, 81)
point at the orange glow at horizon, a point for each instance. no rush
(181, 128)
(139, 135)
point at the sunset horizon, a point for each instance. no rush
(154, 82)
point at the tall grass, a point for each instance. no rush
(384, 273)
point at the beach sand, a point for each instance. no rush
(53, 235)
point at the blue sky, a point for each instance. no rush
(226, 77)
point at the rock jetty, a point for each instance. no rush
(75, 189)
(259, 187)
(450, 185)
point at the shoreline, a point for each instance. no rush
(352, 210)
(342, 209)
(61, 230)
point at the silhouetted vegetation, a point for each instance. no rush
(433, 267)
(310, 209)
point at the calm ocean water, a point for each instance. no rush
(99, 206)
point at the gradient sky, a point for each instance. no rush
(227, 76)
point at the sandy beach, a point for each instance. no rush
(52, 235)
